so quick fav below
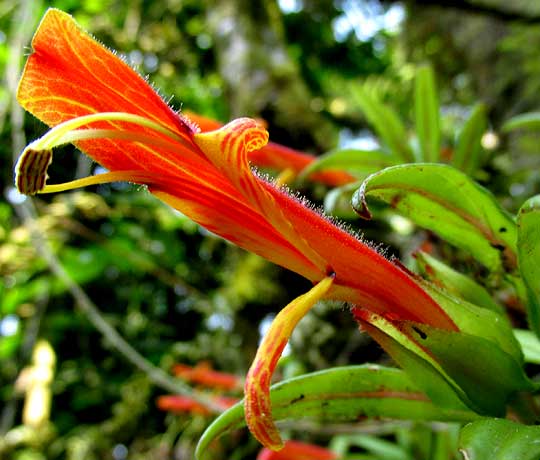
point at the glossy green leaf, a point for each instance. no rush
(385, 123)
(359, 163)
(468, 152)
(426, 109)
(455, 282)
(528, 221)
(497, 439)
(11, 299)
(342, 394)
(446, 201)
(529, 120)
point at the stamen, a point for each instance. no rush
(31, 169)
(257, 405)
(59, 134)
(138, 177)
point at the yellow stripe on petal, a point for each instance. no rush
(257, 388)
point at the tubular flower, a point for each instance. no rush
(204, 375)
(185, 404)
(296, 450)
(93, 99)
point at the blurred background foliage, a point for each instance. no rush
(179, 294)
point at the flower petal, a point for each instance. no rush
(69, 75)
(221, 210)
(257, 387)
(296, 450)
(279, 157)
(228, 148)
(84, 77)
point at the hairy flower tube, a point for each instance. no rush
(93, 99)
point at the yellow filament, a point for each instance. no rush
(31, 168)
(57, 135)
(105, 178)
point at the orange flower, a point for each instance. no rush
(296, 450)
(281, 158)
(203, 374)
(185, 404)
(93, 99)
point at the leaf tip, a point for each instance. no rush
(359, 204)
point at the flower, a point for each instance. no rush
(93, 99)
(186, 404)
(282, 158)
(296, 450)
(203, 374)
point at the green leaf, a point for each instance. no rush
(342, 394)
(497, 439)
(530, 344)
(445, 443)
(30, 291)
(455, 282)
(9, 345)
(446, 201)
(426, 104)
(385, 122)
(468, 151)
(487, 374)
(477, 321)
(381, 449)
(415, 360)
(449, 364)
(528, 246)
(529, 120)
(359, 163)
(84, 265)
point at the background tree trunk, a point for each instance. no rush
(261, 78)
